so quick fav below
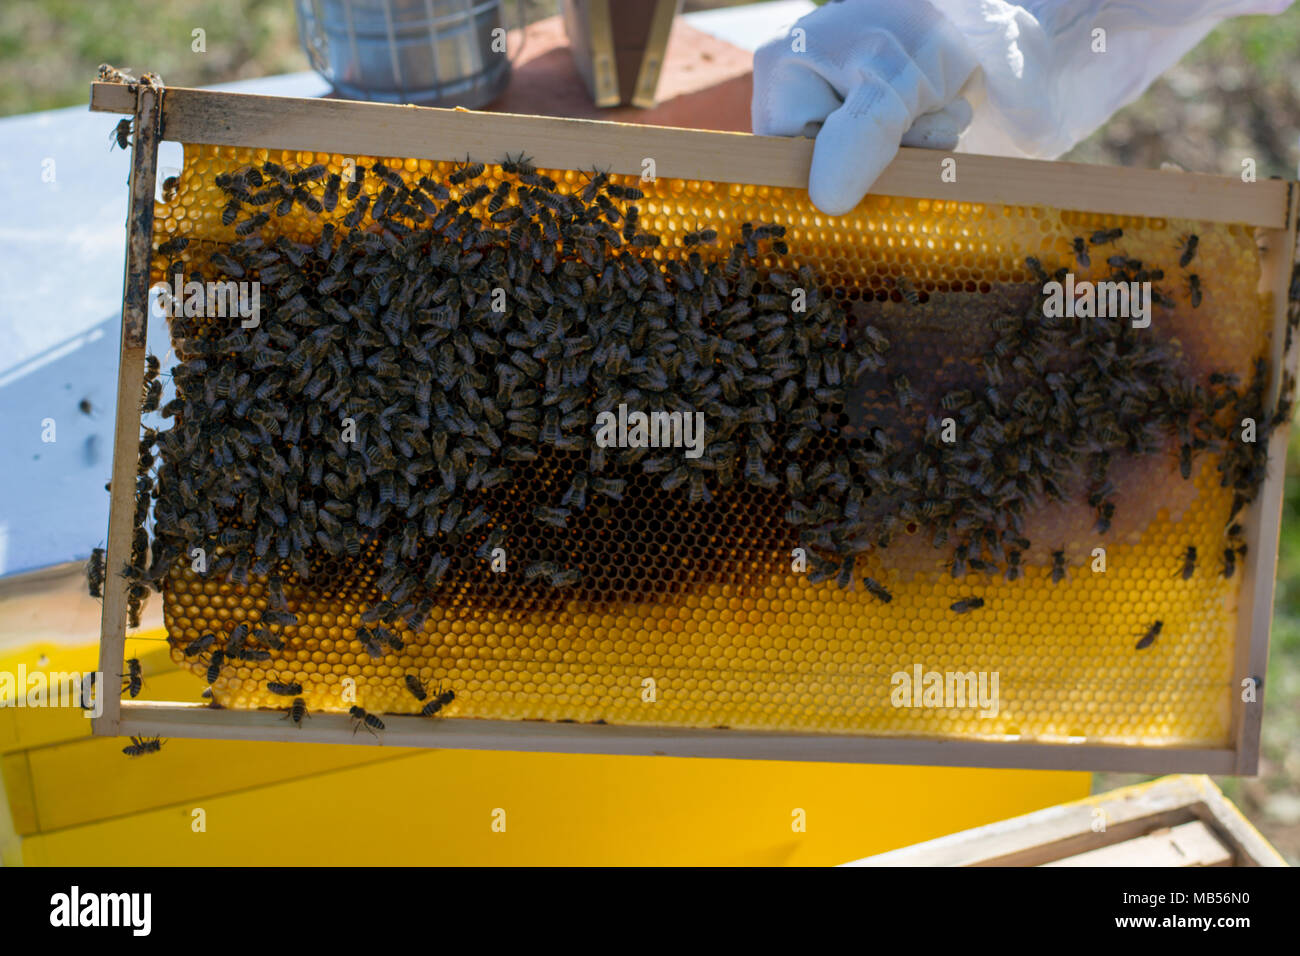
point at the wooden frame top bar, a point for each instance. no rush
(378, 129)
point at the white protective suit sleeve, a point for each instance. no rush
(875, 73)
(1046, 88)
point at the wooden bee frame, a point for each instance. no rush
(203, 117)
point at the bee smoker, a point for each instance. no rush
(426, 52)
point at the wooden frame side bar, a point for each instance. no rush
(345, 127)
(147, 718)
(148, 106)
(1263, 523)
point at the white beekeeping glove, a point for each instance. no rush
(878, 73)
(867, 70)
(1052, 71)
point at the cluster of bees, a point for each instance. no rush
(437, 342)
(390, 326)
(1052, 406)
(444, 339)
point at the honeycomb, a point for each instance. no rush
(690, 612)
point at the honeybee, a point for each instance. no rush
(111, 74)
(1081, 252)
(877, 590)
(596, 181)
(955, 401)
(465, 173)
(438, 703)
(296, 712)
(354, 187)
(249, 226)
(227, 265)
(134, 604)
(1230, 556)
(143, 745)
(903, 390)
(361, 718)
(281, 618)
(357, 212)
(844, 580)
(330, 198)
(385, 636)
(121, 134)
(268, 639)
(133, 678)
(630, 193)
(215, 663)
(522, 165)
(556, 517)
(1188, 246)
(1149, 638)
(284, 690)
(499, 196)
(95, 573)
(1103, 236)
(200, 644)
(1189, 563)
(907, 290)
(959, 559)
(277, 172)
(416, 687)
(1105, 514)
(174, 245)
(309, 174)
(1194, 289)
(967, 604)
(1058, 566)
(566, 578)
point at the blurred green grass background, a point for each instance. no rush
(1237, 95)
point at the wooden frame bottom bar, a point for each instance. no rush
(149, 719)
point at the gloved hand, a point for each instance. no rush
(873, 73)
(877, 73)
